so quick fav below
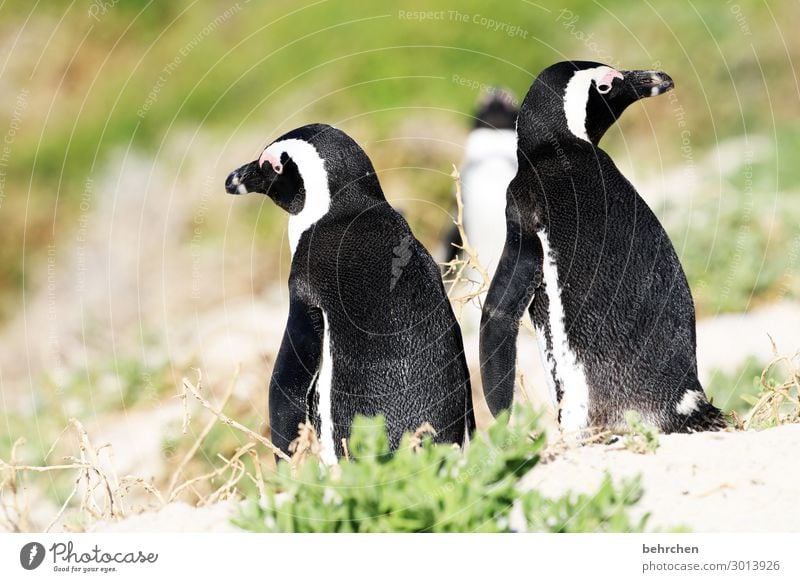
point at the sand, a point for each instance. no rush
(706, 482)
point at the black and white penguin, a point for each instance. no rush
(370, 328)
(488, 165)
(590, 262)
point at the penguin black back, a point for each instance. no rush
(370, 328)
(592, 265)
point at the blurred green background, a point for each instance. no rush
(99, 77)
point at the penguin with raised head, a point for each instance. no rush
(593, 266)
(370, 329)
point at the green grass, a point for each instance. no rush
(731, 391)
(741, 391)
(741, 250)
(124, 384)
(435, 488)
(642, 438)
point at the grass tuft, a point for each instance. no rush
(427, 487)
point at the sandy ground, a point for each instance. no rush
(177, 518)
(707, 482)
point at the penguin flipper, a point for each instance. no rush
(518, 274)
(294, 372)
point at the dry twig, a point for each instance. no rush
(232, 423)
(417, 437)
(777, 404)
(305, 445)
(203, 433)
(458, 266)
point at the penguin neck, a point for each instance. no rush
(542, 139)
(317, 204)
(350, 187)
(542, 133)
(354, 195)
(338, 196)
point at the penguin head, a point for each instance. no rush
(583, 99)
(497, 110)
(307, 170)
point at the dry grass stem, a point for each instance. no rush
(17, 522)
(458, 266)
(305, 445)
(233, 464)
(89, 455)
(190, 454)
(258, 478)
(571, 440)
(129, 482)
(238, 471)
(778, 403)
(224, 419)
(419, 434)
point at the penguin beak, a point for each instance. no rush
(246, 179)
(646, 83)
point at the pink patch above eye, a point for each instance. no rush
(609, 77)
(273, 161)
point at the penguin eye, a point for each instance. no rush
(274, 162)
(603, 88)
(279, 164)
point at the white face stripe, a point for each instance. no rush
(315, 181)
(576, 96)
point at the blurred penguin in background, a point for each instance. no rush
(489, 164)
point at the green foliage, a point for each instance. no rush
(604, 511)
(734, 391)
(125, 383)
(432, 488)
(118, 384)
(763, 396)
(642, 437)
(741, 250)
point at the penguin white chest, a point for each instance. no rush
(485, 210)
(563, 362)
(489, 165)
(325, 391)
